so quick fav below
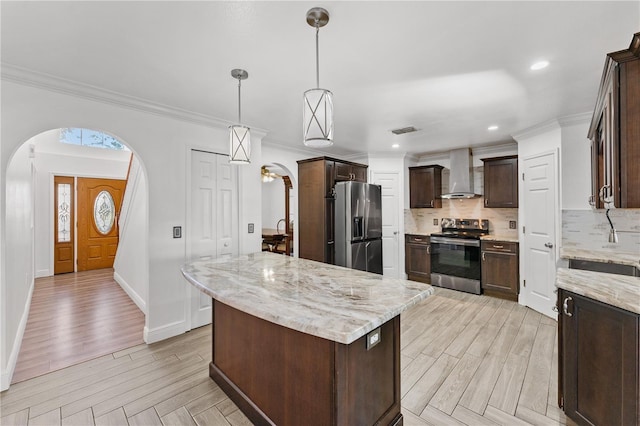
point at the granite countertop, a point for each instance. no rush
(622, 258)
(326, 301)
(507, 238)
(616, 290)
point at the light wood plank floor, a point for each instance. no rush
(466, 359)
(74, 318)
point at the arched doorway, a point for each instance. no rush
(32, 211)
(278, 209)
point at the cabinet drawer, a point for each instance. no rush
(500, 246)
(417, 239)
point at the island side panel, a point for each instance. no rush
(286, 374)
(281, 376)
(368, 381)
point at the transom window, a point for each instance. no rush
(93, 138)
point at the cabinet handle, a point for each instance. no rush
(498, 247)
(429, 249)
(417, 239)
(431, 203)
(485, 201)
(565, 307)
(483, 258)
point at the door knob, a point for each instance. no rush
(548, 245)
(395, 232)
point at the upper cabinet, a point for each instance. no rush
(501, 181)
(350, 171)
(615, 131)
(425, 186)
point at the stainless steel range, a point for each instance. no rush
(455, 254)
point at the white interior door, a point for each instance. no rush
(390, 221)
(539, 256)
(212, 227)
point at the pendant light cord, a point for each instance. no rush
(317, 56)
(239, 101)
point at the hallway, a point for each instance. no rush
(76, 317)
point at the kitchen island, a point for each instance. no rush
(301, 342)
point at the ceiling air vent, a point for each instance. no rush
(404, 130)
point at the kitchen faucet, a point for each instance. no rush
(613, 235)
(278, 225)
(608, 203)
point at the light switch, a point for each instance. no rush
(251, 228)
(177, 232)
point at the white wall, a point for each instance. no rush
(55, 158)
(17, 263)
(160, 138)
(576, 162)
(132, 276)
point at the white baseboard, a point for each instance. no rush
(43, 273)
(7, 374)
(131, 292)
(164, 332)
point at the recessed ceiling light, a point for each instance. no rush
(494, 127)
(539, 65)
(395, 145)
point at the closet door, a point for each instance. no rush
(212, 227)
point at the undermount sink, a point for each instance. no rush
(609, 268)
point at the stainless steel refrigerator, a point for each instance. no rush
(358, 226)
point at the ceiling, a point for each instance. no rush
(450, 69)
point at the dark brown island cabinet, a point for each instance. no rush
(500, 269)
(598, 365)
(316, 180)
(425, 187)
(417, 258)
(615, 131)
(501, 182)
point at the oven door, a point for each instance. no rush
(456, 257)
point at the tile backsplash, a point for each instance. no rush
(589, 229)
(420, 221)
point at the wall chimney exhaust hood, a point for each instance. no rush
(461, 175)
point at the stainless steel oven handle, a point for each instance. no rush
(455, 241)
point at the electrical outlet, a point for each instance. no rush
(512, 224)
(251, 227)
(435, 222)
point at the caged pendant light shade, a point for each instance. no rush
(317, 115)
(239, 135)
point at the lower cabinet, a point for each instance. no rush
(500, 269)
(598, 365)
(417, 258)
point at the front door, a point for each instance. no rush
(99, 202)
(64, 224)
(540, 233)
(390, 222)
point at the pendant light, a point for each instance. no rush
(239, 135)
(318, 103)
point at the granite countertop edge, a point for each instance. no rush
(489, 237)
(616, 290)
(621, 258)
(339, 336)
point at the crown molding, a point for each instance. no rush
(299, 149)
(27, 77)
(538, 129)
(581, 118)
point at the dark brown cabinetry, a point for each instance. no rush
(598, 364)
(317, 177)
(425, 186)
(615, 131)
(417, 258)
(501, 181)
(500, 269)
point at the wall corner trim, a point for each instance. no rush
(164, 332)
(131, 293)
(7, 374)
